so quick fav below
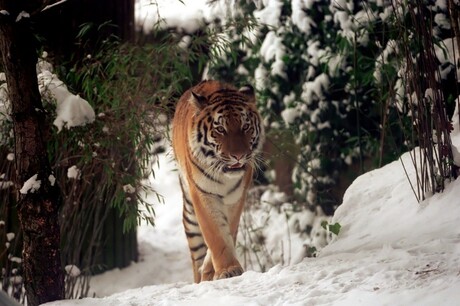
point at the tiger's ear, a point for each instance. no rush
(248, 91)
(199, 100)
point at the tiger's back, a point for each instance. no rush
(217, 133)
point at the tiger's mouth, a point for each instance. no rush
(234, 167)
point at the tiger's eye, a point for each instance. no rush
(220, 129)
(245, 126)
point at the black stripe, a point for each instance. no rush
(198, 247)
(206, 192)
(227, 102)
(187, 203)
(187, 219)
(205, 135)
(182, 185)
(235, 187)
(201, 257)
(207, 153)
(200, 168)
(209, 177)
(192, 235)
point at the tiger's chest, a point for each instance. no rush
(225, 189)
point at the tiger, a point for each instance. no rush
(217, 137)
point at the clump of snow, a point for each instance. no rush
(448, 52)
(52, 179)
(300, 18)
(128, 188)
(383, 59)
(10, 236)
(4, 184)
(21, 15)
(270, 14)
(73, 172)
(32, 185)
(71, 110)
(272, 49)
(72, 270)
(317, 87)
(289, 115)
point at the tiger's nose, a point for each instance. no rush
(238, 156)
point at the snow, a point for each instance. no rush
(273, 49)
(10, 236)
(448, 52)
(52, 179)
(72, 270)
(53, 5)
(186, 15)
(73, 172)
(289, 115)
(391, 250)
(128, 188)
(300, 18)
(71, 110)
(32, 185)
(270, 14)
(315, 87)
(21, 15)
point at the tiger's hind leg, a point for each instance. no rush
(195, 239)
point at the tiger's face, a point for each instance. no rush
(227, 130)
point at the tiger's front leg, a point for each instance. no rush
(213, 218)
(208, 273)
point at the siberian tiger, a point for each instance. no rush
(217, 133)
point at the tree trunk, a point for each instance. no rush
(38, 207)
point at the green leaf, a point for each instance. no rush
(333, 228)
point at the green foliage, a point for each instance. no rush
(333, 228)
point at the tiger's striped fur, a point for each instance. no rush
(217, 133)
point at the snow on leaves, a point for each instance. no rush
(71, 110)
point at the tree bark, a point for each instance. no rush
(37, 209)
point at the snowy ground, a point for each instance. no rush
(391, 250)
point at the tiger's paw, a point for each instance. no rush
(231, 271)
(208, 275)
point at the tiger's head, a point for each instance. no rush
(227, 130)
